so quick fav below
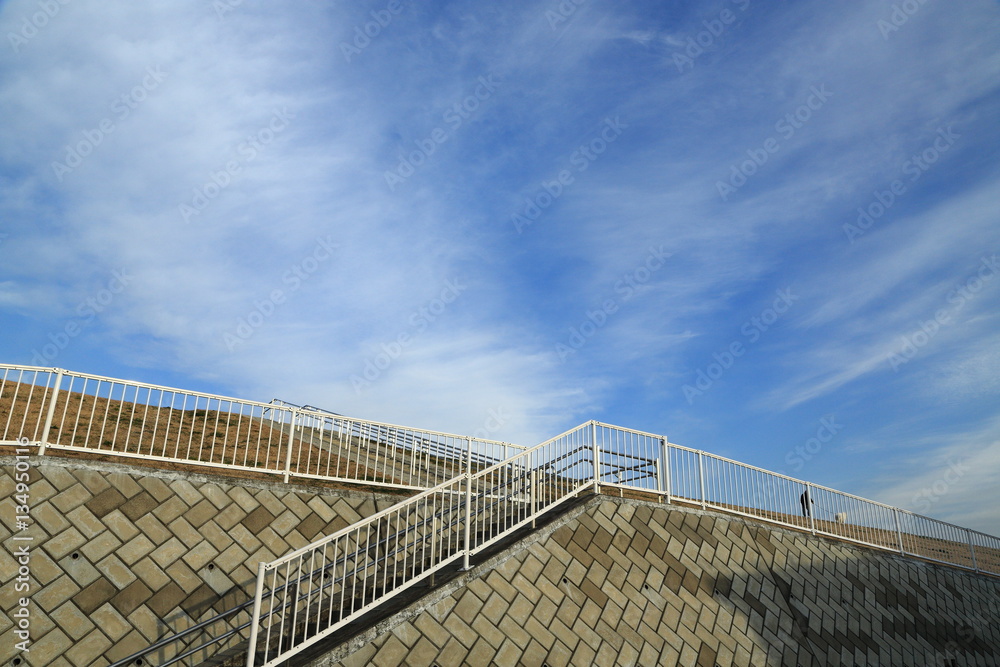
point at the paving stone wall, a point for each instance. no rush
(630, 583)
(120, 556)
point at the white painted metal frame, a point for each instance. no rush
(477, 509)
(58, 409)
(474, 492)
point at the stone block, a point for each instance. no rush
(136, 548)
(488, 631)
(257, 520)
(110, 622)
(230, 516)
(55, 593)
(138, 506)
(215, 495)
(64, 543)
(53, 645)
(514, 632)
(52, 520)
(115, 571)
(407, 634)
(117, 522)
(125, 483)
(186, 491)
(84, 520)
(509, 654)
(200, 513)
(129, 598)
(432, 630)
(481, 653)
(156, 487)
(183, 575)
(461, 631)
(166, 599)
(84, 653)
(79, 569)
(105, 502)
(71, 620)
(168, 552)
(169, 510)
(360, 658)
(100, 546)
(390, 654)
(94, 595)
(153, 529)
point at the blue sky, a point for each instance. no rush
(766, 230)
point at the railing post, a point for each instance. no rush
(255, 615)
(899, 531)
(972, 550)
(701, 477)
(50, 413)
(435, 531)
(597, 457)
(665, 470)
(533, 497)
(291, 442)
(468, 508)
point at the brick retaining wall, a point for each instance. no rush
(122, 556)
(632, 583)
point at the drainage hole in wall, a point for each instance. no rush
(75, 555)
(211, 566)
(565, 580)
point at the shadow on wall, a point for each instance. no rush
(627, 582)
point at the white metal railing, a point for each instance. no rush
(58, 409)
(472, 492)
(311, 593)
